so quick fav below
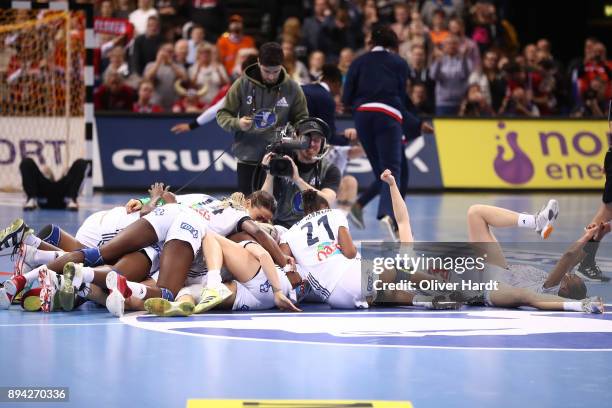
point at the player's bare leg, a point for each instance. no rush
(511, 297)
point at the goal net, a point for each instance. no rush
(42, 91)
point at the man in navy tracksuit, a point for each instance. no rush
(375, 88)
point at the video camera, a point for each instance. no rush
(290, 139)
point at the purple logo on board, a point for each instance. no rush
(519, 169)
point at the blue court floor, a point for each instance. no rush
(473, 357)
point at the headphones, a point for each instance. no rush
(311, 125)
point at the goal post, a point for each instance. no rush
(46, 87)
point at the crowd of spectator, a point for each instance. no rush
(464, 59)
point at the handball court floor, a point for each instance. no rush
(473, 357)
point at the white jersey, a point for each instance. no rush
(522, 276)
(314, 244)
(222, 218)
(102, 226)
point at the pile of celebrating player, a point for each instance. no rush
(175, 255)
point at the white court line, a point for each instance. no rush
(131, 320)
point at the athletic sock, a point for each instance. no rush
(87, 275)
(572, 306)
(32, 275)
(32, 240)
(213, 278)
(44, 257)
(527, 221)
(138, 289)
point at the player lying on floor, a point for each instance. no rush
(322, 245)
(102, 226)
(519, 285)
(524, 285)
(175, 228)
(257, 284)
(225, 217)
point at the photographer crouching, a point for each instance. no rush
(297, 163)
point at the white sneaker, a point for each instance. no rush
(119, 291)
(25, 259)
(49, 285)
(30, 204)
(5, 300)
(545, 218)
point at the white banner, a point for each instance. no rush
(54, 143)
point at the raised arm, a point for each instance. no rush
(400, 211)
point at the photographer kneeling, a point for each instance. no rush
(290, 174)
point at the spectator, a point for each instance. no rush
(474, 104)
(113, 94)
(312, 25)
(191, 98)
(106, 9)
(292, 32)
(211, 14)
(144, 103)
(490, 80)
(419, 74)
(140, 17)
(401, 12)
(315, 65)
(486, 31)
(181, 50)
(467, 46)
(170, 18)
(370, 17)
(545, 52)
(450, 8)
(337, 34)
(146, 46)
(589, 44)
(416, 36)
(594, 66)
(295, 68)
(420, 100)
(164, 72)
(42, 190)
(123, 10)
(117, 62)
(594, 102)
(438, 32)
(545, 88)
(243, 55)
(196, 37)
(347, 55)
(519, 103)
(232, 41)
(208, 73)
(450, 70)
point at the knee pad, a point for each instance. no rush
(92, 257)
(51, 234)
